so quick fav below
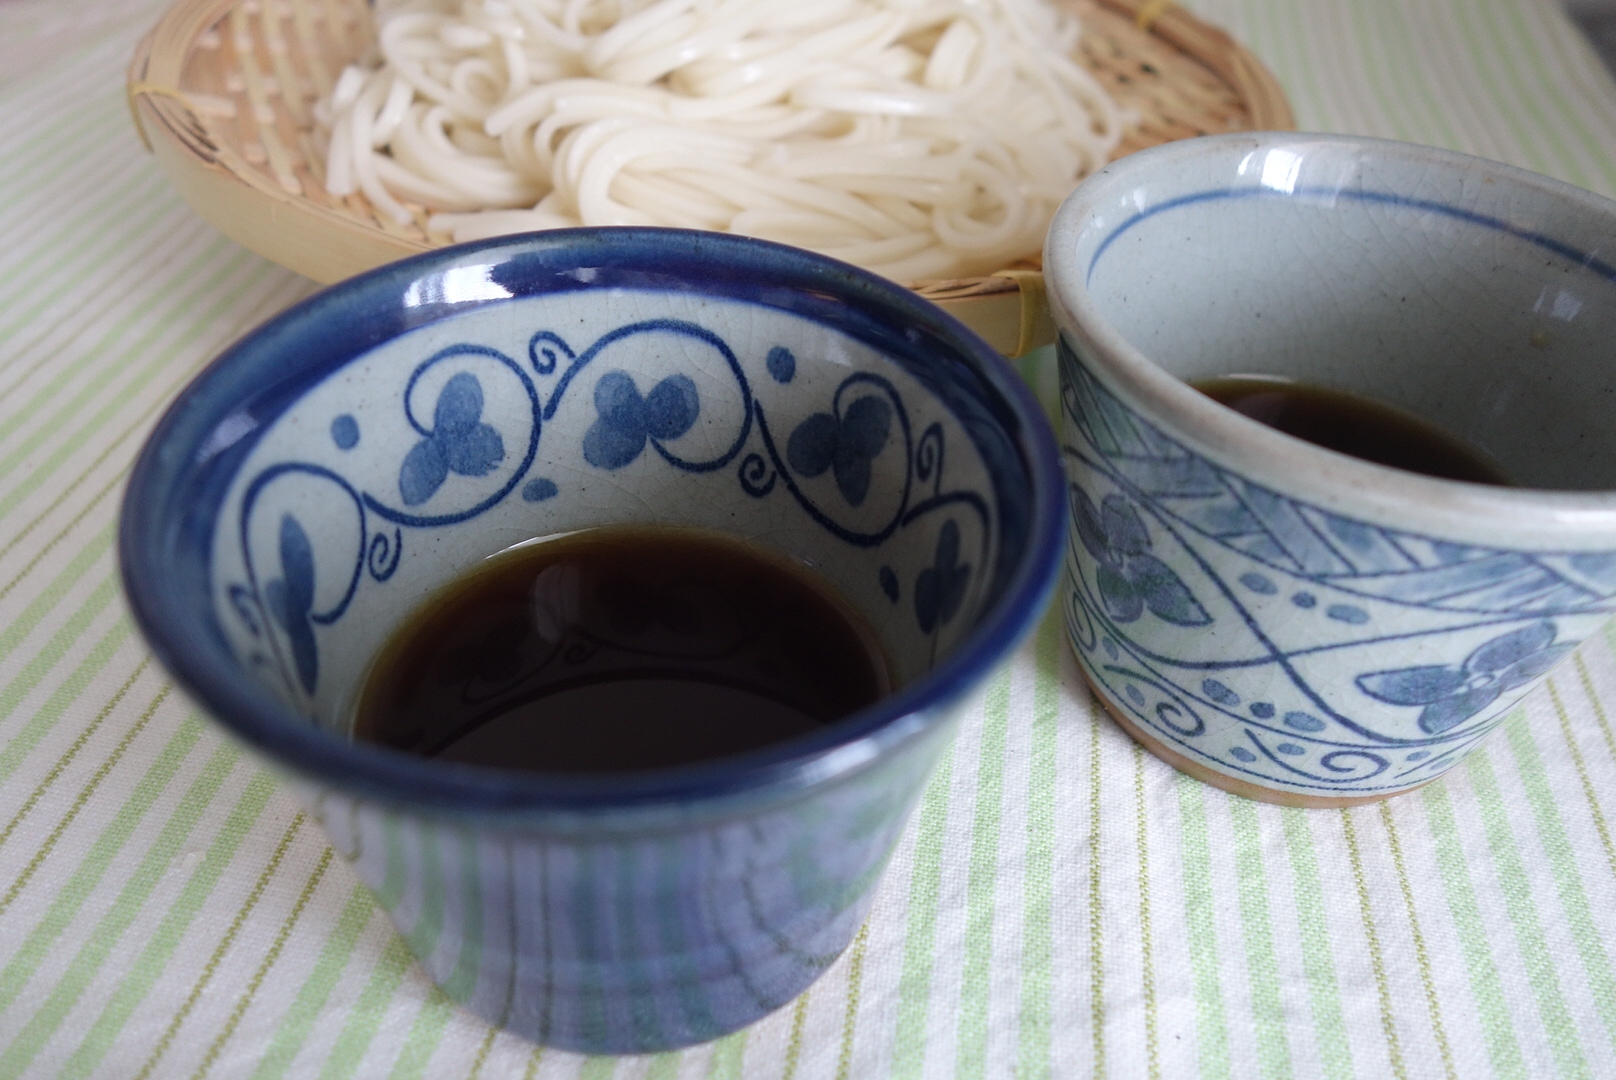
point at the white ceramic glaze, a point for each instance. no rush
(1305, 624)
(535, 379)
(352, 455)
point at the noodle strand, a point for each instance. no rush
(917, 138)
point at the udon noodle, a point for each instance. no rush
(918, 138)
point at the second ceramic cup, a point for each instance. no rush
(1279, 619)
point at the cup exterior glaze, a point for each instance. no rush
(641, 934)
(1278, 619)
(359, 451)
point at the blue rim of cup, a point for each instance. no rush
(1221, 431)
(185, 467)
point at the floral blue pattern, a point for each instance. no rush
(1301, 688)
(864, 419)
(845, 444)
(1131, 579)
(459, 442)
(855, 436)
(1453, 693)
(627, 420)
(767, 896)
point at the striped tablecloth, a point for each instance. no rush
(1062, 905)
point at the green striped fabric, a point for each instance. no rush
(1063, 904)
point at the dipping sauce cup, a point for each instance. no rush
(351, 456)
(1279, 619)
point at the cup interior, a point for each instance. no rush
(489, 429)
(368, 447)
(1474, 295)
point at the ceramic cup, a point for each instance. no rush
(359, 451)
(1275, 618)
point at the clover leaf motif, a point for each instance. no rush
(1453, 693)
(459, 442)
(1130, 578)
(844, 444)
(940, 588)
(626, 420)
(290, 598)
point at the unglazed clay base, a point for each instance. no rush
(1229, 783)
(1297, 619)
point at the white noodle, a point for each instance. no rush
(918, 138)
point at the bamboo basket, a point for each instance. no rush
(221, 92)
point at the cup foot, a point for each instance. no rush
(1229, 783)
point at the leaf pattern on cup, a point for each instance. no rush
(290, 599)
(863, 437)
(940, 588)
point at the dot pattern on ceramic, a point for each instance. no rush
(659, 418)
(371, 444)
(1295, 600)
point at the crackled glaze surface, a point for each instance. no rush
(359, 451)
(1289, 620)
(1325, 655)
(557, 413)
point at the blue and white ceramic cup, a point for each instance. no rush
(1279, 619)
(359, 451)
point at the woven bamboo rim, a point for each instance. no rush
(221, 92)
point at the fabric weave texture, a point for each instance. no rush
(1063, 905)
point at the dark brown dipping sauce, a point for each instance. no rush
(617, 649)
(1353, 425)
